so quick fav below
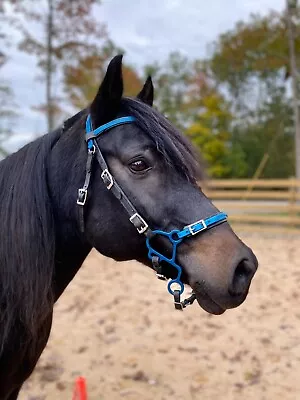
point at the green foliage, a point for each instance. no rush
(185, 95)
(251, 64)
(270, 133)
(171, 80)
(210, 130)
(7, 115)
(70, 30)
(235, 105)
(254, 49)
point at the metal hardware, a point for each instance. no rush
(107, 178)
(82, 196)
(144, 226)
(191, 226)
(92, 150)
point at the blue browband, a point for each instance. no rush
(91, 134)
(175, 236)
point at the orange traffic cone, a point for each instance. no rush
(80, 392)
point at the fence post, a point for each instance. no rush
(292, 200)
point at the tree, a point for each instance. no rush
(269, 133)
(256, 49)
(252, 63)
(2, 38)
(291, 14)
(186, 95)
(210, 129)
(171, 80)
(7, 116)
(70, 29)
(82, 79)
(7, 113)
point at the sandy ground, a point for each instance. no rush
(116, 326)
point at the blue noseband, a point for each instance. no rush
(175, 236)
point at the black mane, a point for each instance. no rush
(175, 147)
(27, 256)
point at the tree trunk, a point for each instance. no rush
(49, 68)
(294, 75)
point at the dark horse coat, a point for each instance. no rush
(42, 246)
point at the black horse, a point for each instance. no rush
(48, 227)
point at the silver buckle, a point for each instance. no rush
(178, 305)
(82, 193)
(107, 176)
(144, 223)
(190, 227)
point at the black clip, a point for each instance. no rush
(158, 268)
(177, 303)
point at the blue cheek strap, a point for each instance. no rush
(176, 237)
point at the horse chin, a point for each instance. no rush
(203, 299)
(208, 304)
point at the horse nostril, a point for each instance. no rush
(241, 278)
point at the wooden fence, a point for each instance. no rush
(258, 204)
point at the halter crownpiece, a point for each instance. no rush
(92, 134)
(175, 236)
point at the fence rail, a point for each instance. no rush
(272, 204)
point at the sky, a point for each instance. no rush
(147, 30)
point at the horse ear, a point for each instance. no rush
(106, 104)
(146, 95)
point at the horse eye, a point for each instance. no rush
(138, 166)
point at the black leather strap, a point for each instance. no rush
(111, 184)
(83, 192)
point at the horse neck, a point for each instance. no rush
(66, 165)
(70, 255)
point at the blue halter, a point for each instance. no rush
(92, 134)
(175, 236)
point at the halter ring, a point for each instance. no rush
(178, 282)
